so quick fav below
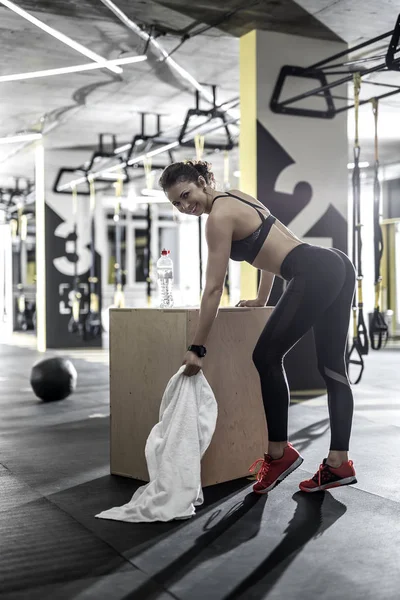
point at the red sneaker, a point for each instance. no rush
(328, 477)
(273, 471)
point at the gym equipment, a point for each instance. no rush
(106, 149)
(328, 67)
(74, 325)
(360, 344)
(149, 263)
(53, 379)
(378, 328)
(25, 309)
(110, 152)
(211, 115)
(119, 297)
(168, 143)
(4, 287)
(92, 325)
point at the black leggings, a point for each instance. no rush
(319, 295)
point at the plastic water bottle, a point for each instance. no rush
(165, 278)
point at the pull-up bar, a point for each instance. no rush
(322, 69)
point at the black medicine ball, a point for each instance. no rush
(53, 379)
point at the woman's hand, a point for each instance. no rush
(252, 303)
(193, 364)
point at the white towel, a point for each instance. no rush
(174, 448)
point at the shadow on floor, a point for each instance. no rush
(302, 438)
(182, 564)
(314, 514)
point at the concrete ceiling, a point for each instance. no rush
(75, 108)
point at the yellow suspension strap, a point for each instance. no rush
(199, 145)
(378, 331)
(22, 230)
(149, 184)
(359, 347)
(119, 296)
(74, 325)
(149, 175)
(14, 228)
(93, 326)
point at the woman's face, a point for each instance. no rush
(188, 197)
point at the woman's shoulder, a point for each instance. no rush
(251, 199)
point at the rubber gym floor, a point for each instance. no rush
(54, 468)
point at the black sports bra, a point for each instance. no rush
(248, 248)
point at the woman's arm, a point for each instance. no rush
(219, 241)
(265, 287)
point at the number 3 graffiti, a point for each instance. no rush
(63, 264)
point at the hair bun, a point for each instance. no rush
(188, 170)
(203, 168)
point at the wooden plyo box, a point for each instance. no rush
(147, 347)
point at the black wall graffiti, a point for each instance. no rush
(58, 290)
(272, 158)
(332, 225)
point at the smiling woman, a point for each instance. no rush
(185, 183)
(320, 287)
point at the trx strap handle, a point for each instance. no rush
(119, 297)
(378, 331)
(76, 296)
(360, 337)
(147, 163)
(93, 326)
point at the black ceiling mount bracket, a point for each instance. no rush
(143, 137)
(291, 71)
(78, 172)
(104, 150)
(345, 70)
(12, 197)
(210, 114)
(392, 63)
(125, 154)
(107, 148)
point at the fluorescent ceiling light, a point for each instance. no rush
(362, 165)
(147, 200)
(60, 36)
(153, 193)
(155, 152)
(110, 176)
(28, 137)
(74, 69)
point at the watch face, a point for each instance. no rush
(199, 350)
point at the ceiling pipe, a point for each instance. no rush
(170, 61)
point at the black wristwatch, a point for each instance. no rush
(201, 351)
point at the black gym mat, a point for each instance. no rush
(341, 544)
(41, 544)
(287, 545)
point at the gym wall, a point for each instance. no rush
(295, 165)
